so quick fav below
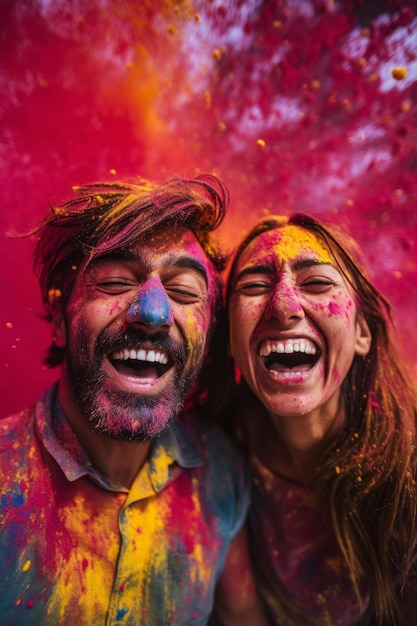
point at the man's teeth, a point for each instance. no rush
(287, 347)
(151, 356)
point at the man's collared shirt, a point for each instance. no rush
(76, 549)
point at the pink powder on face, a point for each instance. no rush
(335, 309)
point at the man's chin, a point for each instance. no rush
(125, 417)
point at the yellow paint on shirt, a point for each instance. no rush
(26, 566)
(87, 573)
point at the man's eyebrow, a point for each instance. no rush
(185, 261)
(188, 262)
(115, 255)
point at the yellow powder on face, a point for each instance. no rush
(295, 242)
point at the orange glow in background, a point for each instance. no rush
(302, 105)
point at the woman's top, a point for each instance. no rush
(297, 558)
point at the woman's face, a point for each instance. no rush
(294, 324)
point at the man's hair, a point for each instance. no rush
(367, 477)
(109, 216)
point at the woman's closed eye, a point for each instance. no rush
(317, 284)
(253, 286)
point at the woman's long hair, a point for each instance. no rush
(367, 477)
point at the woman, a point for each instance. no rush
(328, 420)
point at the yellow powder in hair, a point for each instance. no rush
(294, 241)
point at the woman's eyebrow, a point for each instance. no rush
(255, 269)
(268, 269)
(305, 263)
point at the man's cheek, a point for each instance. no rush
(196, 329)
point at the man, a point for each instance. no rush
(118, 505)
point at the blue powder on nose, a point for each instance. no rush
(152, 306)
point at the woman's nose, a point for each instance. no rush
(284, 304)
(151, 305)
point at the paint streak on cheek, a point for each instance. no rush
(335, 309)
(113, 308)
(336, 375)
(319, 307)
(343, 309)
(195, 330)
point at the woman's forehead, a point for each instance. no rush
(285, 243)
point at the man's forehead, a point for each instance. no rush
(170, 245)
(163, 248)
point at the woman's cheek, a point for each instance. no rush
(343, 308)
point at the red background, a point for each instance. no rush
(99, 90)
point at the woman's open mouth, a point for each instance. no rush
(296, 355)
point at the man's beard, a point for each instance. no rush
(123, 415)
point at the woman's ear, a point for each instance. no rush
(363, 336)
(59, 333)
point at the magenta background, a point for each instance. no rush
(105, 90)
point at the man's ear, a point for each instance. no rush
(59, 333)
(363, 336)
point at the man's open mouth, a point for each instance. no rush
(149, 364)
(293, 354)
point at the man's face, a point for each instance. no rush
(135, 333)
(294, 323)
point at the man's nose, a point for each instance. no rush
(151, 305)
(285, 305)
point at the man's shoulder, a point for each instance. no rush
(17, 437)
(17, 424)
(18, 430)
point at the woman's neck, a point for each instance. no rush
(292, 446)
